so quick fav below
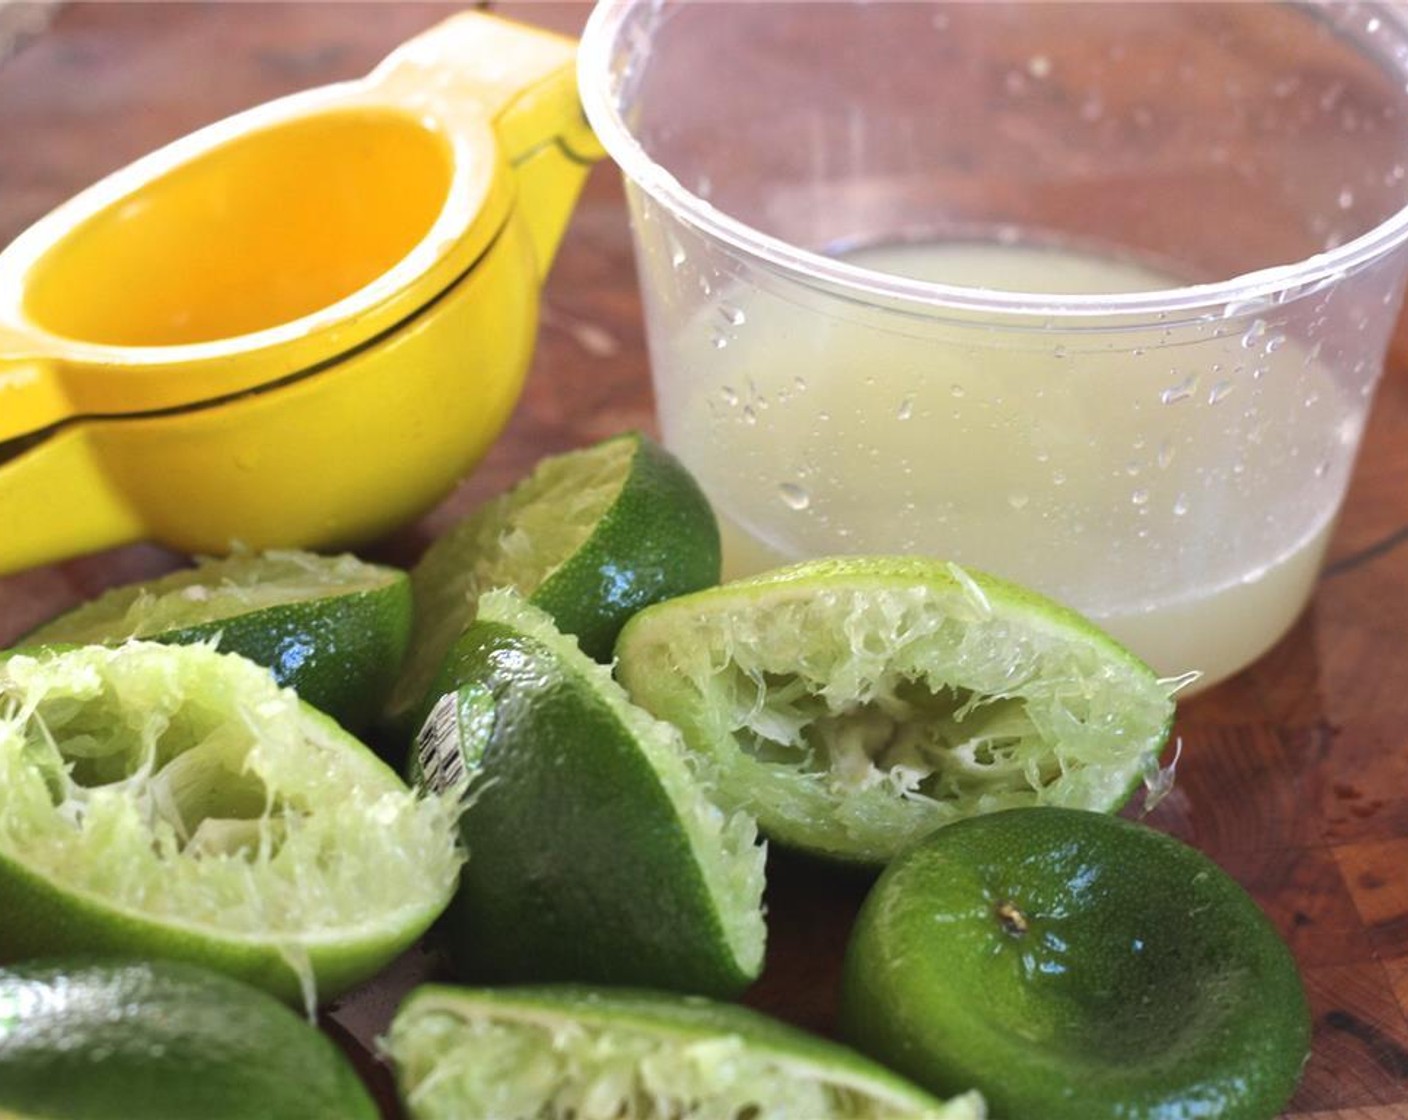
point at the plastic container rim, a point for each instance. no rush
(1217, 299)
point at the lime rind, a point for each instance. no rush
(1076, 966)
(215, 589)
(183, 786)
(518, 539)
(550, 1054)
(856, 705)
(83, 1038)
(725, 843)
(332, 627)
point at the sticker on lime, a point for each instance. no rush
(86, 1039)
(856, 704)
(1075, 966)
(599, 1054)
(174, 801)
(590, 537)
(333, 628)
(439, 763)
(596, 852)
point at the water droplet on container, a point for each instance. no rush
(729, 394)
(718, 340)
(1321, 469)
(794, 496)
(1058, 352)
(1345, 198)
(958, 390)
(906, 409)
(1140, 497)
(1274, 343)
(1253, 335)
(733, 315)
(1039, 66)
(1180, 392)
(1165, 454)
(800, 383)
(678, 256)
(1220, 391)
(1180, 505)
(1018, 500)
(1058, 478)
(750, 415)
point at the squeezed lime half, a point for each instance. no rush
(174, 801)
(570, 1053)
(856, 704)
(333, 628)
(1075, 966)
(86, 1039)
(590, 537)
(597, 853)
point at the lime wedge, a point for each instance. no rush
(554, 1053)
(1075, 966)
(332, 628)
(590, 537)
(854, 705)
(597, 855)
(174, 801)
(161, 1040)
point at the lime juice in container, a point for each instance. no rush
(1093, 297)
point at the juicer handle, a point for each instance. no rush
(523, 81)
(57, 501)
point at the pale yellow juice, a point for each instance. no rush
(1176, 486)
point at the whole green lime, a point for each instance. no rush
(1074, 966)
(121, 1039)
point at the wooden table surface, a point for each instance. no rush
(1294, 775)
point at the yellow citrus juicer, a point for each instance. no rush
(298, 326)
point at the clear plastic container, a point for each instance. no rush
(1091, 296)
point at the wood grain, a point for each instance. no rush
(1293, 776)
